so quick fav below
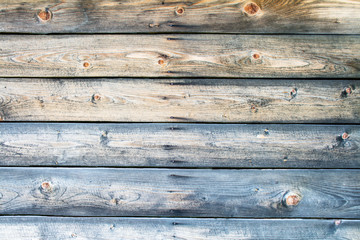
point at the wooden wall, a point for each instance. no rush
(164, 119)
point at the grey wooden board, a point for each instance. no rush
(276, 16)
(176, 228)
(188, 193)
(179, 100)
(179, 145)
(180, 55)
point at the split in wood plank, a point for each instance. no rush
(24, 228)
(181, 55)
(242, 16)
(187, 193)
(180, 100)
(180, 145)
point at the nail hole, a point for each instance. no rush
(86, 64)
(161, 62)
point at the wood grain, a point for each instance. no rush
(195, 193)
(24, 228)
(179, 145)
(110, 16)
(180, 100)
(180, 55)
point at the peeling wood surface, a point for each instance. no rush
(24, 228)
(180, 55)
(180, 145)
(110, 16)
(180, 100)
(196, 193)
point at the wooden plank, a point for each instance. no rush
(180, 55)
(188, 193)
(242, 16)
(175, 228)
(180, 100)
(180, 145)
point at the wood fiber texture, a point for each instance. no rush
(180, 100)
(180, 192)
(24, 228)
(179, 145)
(191, 55)
(110, 16)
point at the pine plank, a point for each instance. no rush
(24, 228)
(187, 193)
(179, 145)
(180, 100)
(242, 16)
(235, 56)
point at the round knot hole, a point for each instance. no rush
(345, 136)
(46, 186)
(45, 15)
(180, 11)
(251, 9)
(256, 56)
(291, 199)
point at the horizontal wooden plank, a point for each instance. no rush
(180, 145)
(180, 55)
(180, 100)
(242, 16)
(188, 193)
(175, 228)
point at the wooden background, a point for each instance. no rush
(164, 119)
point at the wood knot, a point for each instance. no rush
(293, 93)
(45, 15)
(96, 97)
(46, 186)
(86, 64)
(291, 199)
(256, 56)
(345, 136)
(251, 9)
(347, 91)
(179, 11)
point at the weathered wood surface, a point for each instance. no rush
(179, 145)
(180, 55)
(242, 16)
(196, 193)
(180, 100)
(176, 228)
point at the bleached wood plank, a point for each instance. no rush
(180, 55)
(180, 100)
(242, 16)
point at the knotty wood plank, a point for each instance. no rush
(180, 100)
(180, 55)
(179, 145)
(196, 193)
(258, 16)
(175, 228)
